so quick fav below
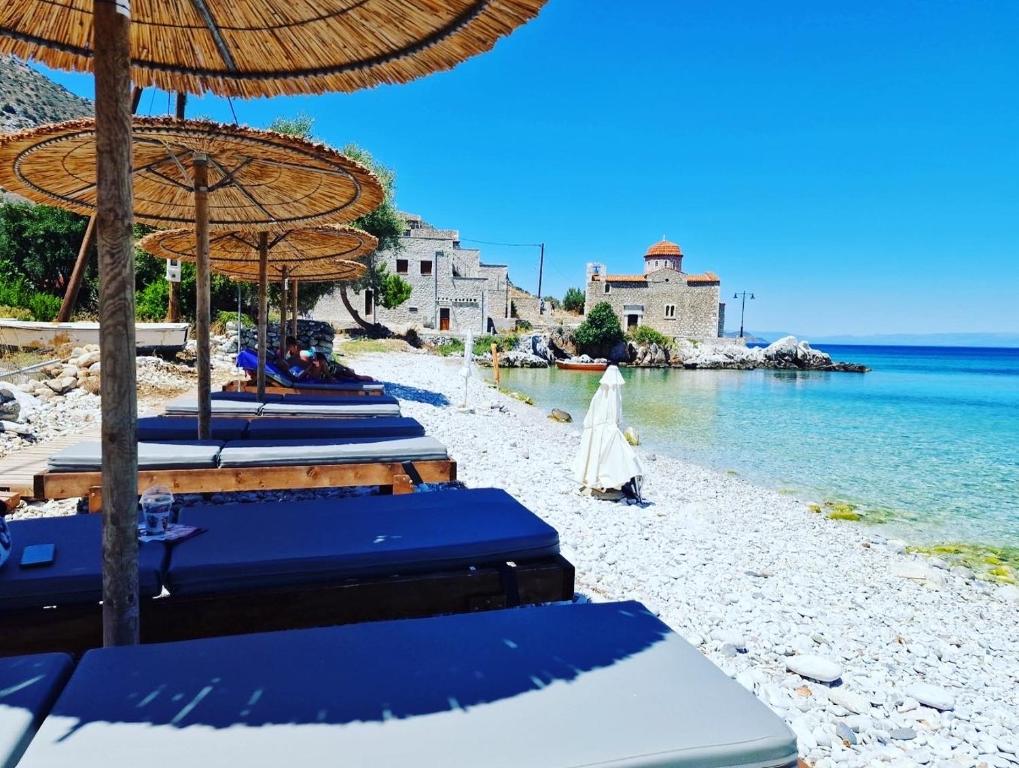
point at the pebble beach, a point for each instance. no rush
(874, 656)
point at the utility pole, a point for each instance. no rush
(541, 269)
(742, 295)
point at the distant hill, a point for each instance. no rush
(28, 98)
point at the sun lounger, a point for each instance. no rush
(279, 380)
(562, 686)
(163, 428)
(397, 463)
(332, 562)
(28, 687)
(41, 607)
(244, 404)
(264, 566)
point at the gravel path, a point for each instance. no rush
(927, 659)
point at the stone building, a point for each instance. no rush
(664, 297)
(451, 289)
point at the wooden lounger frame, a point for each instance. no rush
(276, 389)
(397, 476)
(485, 586)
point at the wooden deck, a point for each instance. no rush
(18, 469)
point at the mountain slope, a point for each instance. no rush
(28, 98)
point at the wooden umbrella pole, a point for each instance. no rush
(293, 308)
(202, 299)
(283, 315)
(114, 217)
(263, 308)
(87, 240)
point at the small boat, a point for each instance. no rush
(577, 365)
(29, 334)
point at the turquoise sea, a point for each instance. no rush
(928, 440)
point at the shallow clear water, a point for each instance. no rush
(930, 434)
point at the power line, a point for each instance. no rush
(506, 244)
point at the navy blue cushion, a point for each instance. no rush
(554, 686)
(161, 428)
(267, 545)
(28, 687)
(298, 398)
(76, 574)
(269, 428)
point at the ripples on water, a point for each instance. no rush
(930, 434)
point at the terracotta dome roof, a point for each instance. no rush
(663, 248)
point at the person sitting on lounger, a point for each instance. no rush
(320, 369)
(296, 360)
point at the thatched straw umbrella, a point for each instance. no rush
(195, 171)
(320, 254)
(232, 48)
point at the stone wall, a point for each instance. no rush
(310, 333)
(442, 276)
(697, 307)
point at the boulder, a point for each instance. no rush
(620, 353)
(17, 404)
(931, 696)
(561, 416)
(62, 385)
(561, 343)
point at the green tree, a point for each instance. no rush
(573, 301)
(39, 245)
(384, 222)
(599, 332)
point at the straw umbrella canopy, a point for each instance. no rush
(264, 47)
(321, 254)
(232, 48)
(213, 175)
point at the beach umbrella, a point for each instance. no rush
(605, 460)
(232, 48)
(319, 254)
(199, 172)
(467, 369)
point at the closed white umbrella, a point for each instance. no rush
(467, 369)
(605, 460)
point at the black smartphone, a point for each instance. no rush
(35, 555)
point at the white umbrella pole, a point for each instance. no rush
(114, 207)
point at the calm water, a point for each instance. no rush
(931, 435)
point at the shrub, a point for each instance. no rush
(524, 325)
(151, 301)
(504, 343)
(224, 316)
(43, 306)
(450, 347)
(573, 301)
(644, 335)
(599, 332)
(15, 313)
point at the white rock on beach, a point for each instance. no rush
(931, 696)
(815, 667)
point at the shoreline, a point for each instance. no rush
(753, 579)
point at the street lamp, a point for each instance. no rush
(742, 295)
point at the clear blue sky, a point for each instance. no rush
(855, 164)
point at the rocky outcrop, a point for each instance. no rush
(787, 353)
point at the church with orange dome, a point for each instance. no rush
(664, 297)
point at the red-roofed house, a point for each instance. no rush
(664, 297)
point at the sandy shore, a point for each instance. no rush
(758, 582)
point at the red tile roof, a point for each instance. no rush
(663, 248)
(621, 278)
(703, 278)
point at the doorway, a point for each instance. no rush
(369, 303)
(444, 318)
(632, 321)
